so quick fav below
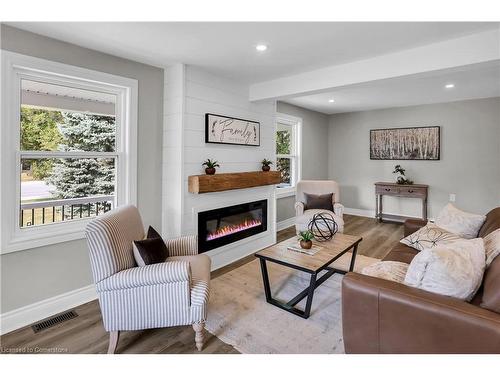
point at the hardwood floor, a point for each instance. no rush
(85, 333)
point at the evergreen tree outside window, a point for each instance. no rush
(75, 178)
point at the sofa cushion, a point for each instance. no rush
(455, 270)
(322, 202)
(491, 223)
(491, 287)
(491, 282)
(412, 225)
(430, 236)
(492, 246)
(401, 253)
(387, 270)
(456, 221)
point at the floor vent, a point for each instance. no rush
(50, 322)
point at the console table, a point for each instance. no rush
(397, 190)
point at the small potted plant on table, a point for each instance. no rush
(266, 165)
(210, 166)
(402, 179)
(305, 239)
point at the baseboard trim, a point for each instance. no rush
(359, 212)
(371, 213)
(18, 318)
(285, 223)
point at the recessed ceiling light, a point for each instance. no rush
(261, 47)
(331, 101)
(449, 86)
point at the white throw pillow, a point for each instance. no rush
(492, 246)
(455, 270)
(459, 222)
(387, 270)
(430, 236)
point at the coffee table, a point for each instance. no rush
(312, 264)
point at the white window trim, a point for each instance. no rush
(297, 139)
(16, 67)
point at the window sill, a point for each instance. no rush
(45, 235)
(285, 192)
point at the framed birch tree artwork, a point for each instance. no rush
(419, 143)
(231, 130)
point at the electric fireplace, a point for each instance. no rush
(225, 225)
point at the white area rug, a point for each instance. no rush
(239, 315)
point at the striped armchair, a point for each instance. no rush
(165, 294)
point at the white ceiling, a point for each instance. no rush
(471, 82)
(228, 49)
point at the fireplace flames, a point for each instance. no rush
(230, 229)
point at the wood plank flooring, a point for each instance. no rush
(85, 333)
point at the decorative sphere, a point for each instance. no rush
(323, 226)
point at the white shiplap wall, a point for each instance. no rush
(172, 194)
(202, 93)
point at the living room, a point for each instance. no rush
(235, 187)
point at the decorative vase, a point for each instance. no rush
(306, 244)
(266, 168)
(210, 171)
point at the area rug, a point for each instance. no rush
(239, 315)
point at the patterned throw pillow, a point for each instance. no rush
(429, 236)
(450, 270)
(387, 270)
(492, 246)
(456, 221)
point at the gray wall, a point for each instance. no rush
(285, 208)
(469, 165)
(314, 152)
(33, 275)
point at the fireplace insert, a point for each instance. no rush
(225, 225)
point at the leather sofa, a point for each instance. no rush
(381, 316)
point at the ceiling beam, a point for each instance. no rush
(466, 50)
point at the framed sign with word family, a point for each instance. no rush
(231, 130)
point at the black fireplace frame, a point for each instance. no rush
(204, 245)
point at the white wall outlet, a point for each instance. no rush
(453, 197)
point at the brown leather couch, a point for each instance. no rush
(381, 316)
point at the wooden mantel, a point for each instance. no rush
(230, 181)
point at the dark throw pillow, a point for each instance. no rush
(322, 202)
(152, 233)
(150, 250)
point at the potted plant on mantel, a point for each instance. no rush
(266, 165)
(305, 239)
(210, 166)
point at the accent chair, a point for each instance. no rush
(318, 187)
(172, 293)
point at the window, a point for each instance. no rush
(69, 149)
(288, 153)
(67, 153)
